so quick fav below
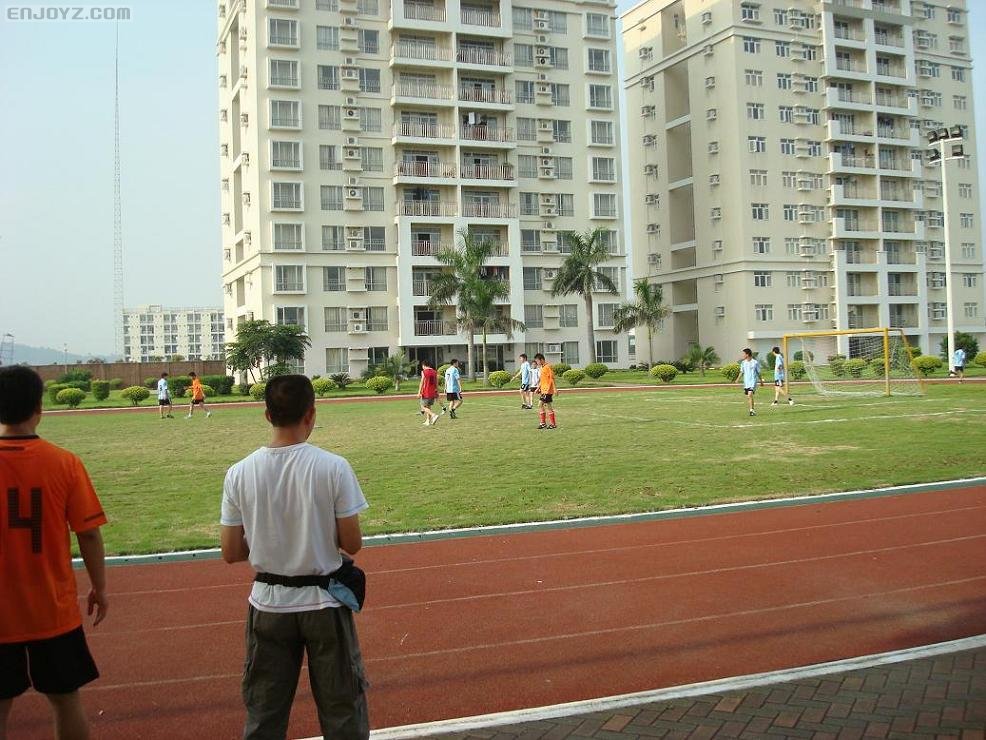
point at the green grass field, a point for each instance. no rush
(615, 452)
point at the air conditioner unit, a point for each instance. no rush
(706, 17)
(542, 39)
(544, 125)
(551, 247)
(549, 274)
(710, 82)
(652, 199)
(549, 211)
(718, 279)
(547, 161)
(713, 147)
(549, 225)
(243, 72)
(653, 259)
(225, 183)
(245, 159)
(649, 140)
(647, 83)
(715, 213)
(223, 115)
(225, 219)
(352, 141)
(707, 50)
(711, 114)
(351, 153)
(222, 80)
(541, 51)
(244, 119)
(354, 245)
(349, 22)
(224, 150)
(352, 113)
(717, 245)
(349, 73)
(807, 250)
(645, 52)
(653, 228)
(353, 181)
(246, 199)
(247, 237)
(542, 78)
(650, 169)
(543, 61)
(354, 193)
(357, 328)
(546, 150)
(542, 26)
(648, 111)
(720, 312)
(552, 348)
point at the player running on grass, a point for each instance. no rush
(453, 388)
(526, 390)
(428, 392)
(198, 396)
(749, 374)
(780, 373)
(546, 389)
(958, 363)
(164, 396)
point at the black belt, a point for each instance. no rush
(293, 581)
(349, 575)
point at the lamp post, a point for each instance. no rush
(947, 145)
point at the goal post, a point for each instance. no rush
(855, 362)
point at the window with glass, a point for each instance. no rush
(529, 204)
(532, 278)
(751, 45)
(282, 32)
(330, 117)
(568, 315)
(372, 199)
(601, 132)
(599, 60)
(561, 131)
(563, 168)
(328, 77)
(286, 195)
(327, 38)
(761, 245)
(604, 169)
(285, 155)
(560, 94)
(603, 205)
(753, 77)
(372, 158)
(337, 359)
(370, 120)
(369, 80)
(374, 238)
(761, 279)
(376, 318)
(333, 239)
(331, 197)
(285, 113)
(526, 129)
(534, 316)
(368, 41)
(523, 55)
(524, 91)
(763, 311)
(335, 318)
(600, 96)
(328, 157)
(375, 279)
(333, 279)
(597, 24)
(283, 73)
(760, 211)
(570, 353)
(290, 316)
(606, 351)
(287, 237)
(289, 278)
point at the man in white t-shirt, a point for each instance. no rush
(749, 374)
(290, 508)
(780, 376)
(526, 390)
(164, 396)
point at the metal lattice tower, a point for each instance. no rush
(117, 210)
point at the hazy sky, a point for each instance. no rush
(56, 168)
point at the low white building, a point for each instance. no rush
(158, 331)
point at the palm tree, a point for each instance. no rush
(579, 274)
(489, 318)
(647, 310)
(460, 283)
(702, 357)
(261, 346)
(397, 367)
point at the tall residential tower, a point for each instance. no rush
(784, 182)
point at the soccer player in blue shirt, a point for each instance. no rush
(780, 374)
(958, 363)
(749, 374)
(453, 388)
(526, 392)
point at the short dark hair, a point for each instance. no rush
(538, 356)
(748, 351)
(20, 394)
(164, 375)
(776, 350)
(454, 361)
(191, 373)
(288, 399)
(523, 355)
(426, 363)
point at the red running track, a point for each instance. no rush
(461, 627)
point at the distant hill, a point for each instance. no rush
(24, 353)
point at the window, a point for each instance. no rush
(282, 32)
(970, 310)
(368, 7)
(560, 94)
(534, 316)
(757, 144)
(758, 177)
(953, 15)
(782, 48)
(375, 279)
(790, 212)
(568, 315)
(603, 205)
(789, 179)
(763, 311)
(285, 155)
(601, 132)
(787, 146)
(793, 279)
(523, 18)
(785, 113)
(283, 73)
(784, 81)
(604, 169)
(780, 16)
(372, 158)
(532, 278)
(761, 245)
(761, 279)
(331, 197)
(606, 351)
(335, 318)
(336, 359)
(956, 44)
(751, 45)
(376, 318)
(599, 60)
(960, 102)
(558, 21)
(332, 239)
(369, 80)
(968, 250)
(965, 220)
(561, 131)
(330, 117)
(600, 96)
(290, 316)
(530, 240)
(596, 24)
(370, 120)
(566, 204)
(328, 157)
(958, 74)
(327, 38)
(750, 12)
(524, 90)
(526, 129)
(965, 190)
(285, 114)
(969, 280)
(794, 311)
(810, 53)
(760, 211)
(558, 57)
(333, 279)
(754, 77)
(791, 245)
(570, 353)
(372, 199)
(289, 278)
(523, 55)
(527, 165)
(328, 77)
(286, 196)
(369, 41)
(288, 237)
(374, 238)
(529, 204)
(563, 168)
(810, 83)
(755, 111)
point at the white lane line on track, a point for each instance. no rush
(596, 585)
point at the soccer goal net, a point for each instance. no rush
(854, 362)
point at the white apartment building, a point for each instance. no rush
(157, 331)
(783, 182)
(359, 137)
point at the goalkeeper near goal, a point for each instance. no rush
(780, 376)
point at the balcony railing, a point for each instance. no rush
(284, 39)
(291, 164)
(428, 249)
(427, 208)
(847, 96)
(427, 52)
(849, 34)
(424, 169)
(488, 171)
(489, 210)
(421, 287)
(499, 249)
(417, 90)
(479, 17)
(891, 101)
(423, 12)
(434, 328)
(486, 133)
(424, 130)
(485, 95)
(849, 65)
(847, 160)
(890, 40)
(292, 203)
(285, 121)
(489, 57)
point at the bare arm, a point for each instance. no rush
(93, 555)
(233, 544)
(350, 534)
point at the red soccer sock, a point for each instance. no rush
(551, 418)
(541, 415)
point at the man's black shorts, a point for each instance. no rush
(524, 388)
(546, 397)
(198, 401)
(164, 402)
(453, 396)
(58, 665)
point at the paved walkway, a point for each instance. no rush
(939, 697)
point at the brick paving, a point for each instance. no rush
(939, 697)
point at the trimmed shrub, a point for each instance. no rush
(222, 383)
(150, 383)
(379, 384)
(664, 372)
(877, 365)
(257, 391)
(72, 396)
(100, 389)
(796, 370)
(731, 371)
(835, 357)
(980, 359)
(53, 391)
(135, 394)
(684, 365)
(927, 364)
(596, 369)
(838, 366)
(573, 377)
(243, 389)
(800, 356)
(341, 379)
(855, 367)
(76, 376)
(207, 390)
(323, 386)
(561, 368)
(178, 385)
(82, 385)
(116, 384)
(441, 371)
(500, 378)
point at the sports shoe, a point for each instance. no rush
(752, 412)
(542, 426)
(189, 416)
(773, 403)
(444, 409)
(169, 416)
(790, 402)
(452, 414)
(552, 426)
(427, 423)
(208, 414)
(434, 420)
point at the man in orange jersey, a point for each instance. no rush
(46, 492)
(546, 391)
(198, 396)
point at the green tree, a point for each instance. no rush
(579, 274)
(265, 348)
(490, 318)
(702, 357)
(459, 284)
(398, 367)
(647, 310)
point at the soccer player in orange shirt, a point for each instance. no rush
(546, 391)
(198, 396)
(46, 492)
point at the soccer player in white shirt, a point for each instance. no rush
(780, 373)
(526, 390)
(749, 374)
(164, 395)
(958, 363)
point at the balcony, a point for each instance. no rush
(482, 209)
(423, 12)
(892, 40)
(434, 208)
(487, 133)
(422, 130)
(428, 249)
(420, 287)
(421, 52)
(422, 92)
(836, 97)
(897, 103)
(497, 248)
(424, 169)
(493, 95)
(846, 163)
(434, 328)
(484, 57)
(488, 172)
(849, 34)
(479, 17)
